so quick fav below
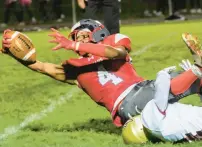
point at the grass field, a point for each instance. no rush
(36, 111)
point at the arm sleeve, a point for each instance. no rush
(122, 40)
(71, 72)
(162, 88)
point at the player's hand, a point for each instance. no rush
(81, 4)
(61, 41)
(6, 41)
(185, 65)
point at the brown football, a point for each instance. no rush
(22, 47)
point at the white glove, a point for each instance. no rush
(197, 71)
(185, 65)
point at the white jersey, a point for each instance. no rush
(170, 122)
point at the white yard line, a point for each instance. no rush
(11, 130)
(145, 48)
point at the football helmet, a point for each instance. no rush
(133, 131)
(97, 31)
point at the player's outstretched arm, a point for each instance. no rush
(55, 71)
(102, 50)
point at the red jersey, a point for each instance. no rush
(118, 40)
(105, 80)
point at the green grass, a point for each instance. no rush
(80, 122)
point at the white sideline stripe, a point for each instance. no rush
(145, 48)
(29, 54)
(11, 130)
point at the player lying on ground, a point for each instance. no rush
(162, 120)
(104, 62)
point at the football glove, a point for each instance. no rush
(185, 65)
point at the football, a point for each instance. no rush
(22, 47)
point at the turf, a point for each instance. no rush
(65, 116)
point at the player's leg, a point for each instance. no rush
(111, 15)
(135, 101)
(189, 81)
(182, 82)
(182, 85)
(91, 9)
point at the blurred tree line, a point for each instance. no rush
(129, 8)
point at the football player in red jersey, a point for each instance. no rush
(104, 63)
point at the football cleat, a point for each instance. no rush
(195, 47)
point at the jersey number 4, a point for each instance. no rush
(105, 77)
